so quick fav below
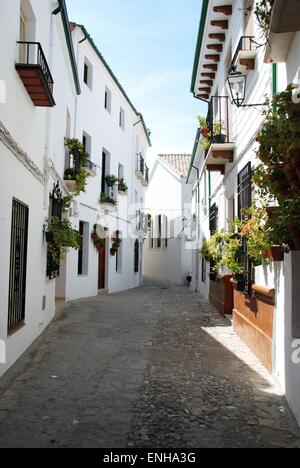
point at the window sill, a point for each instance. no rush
(16, 329)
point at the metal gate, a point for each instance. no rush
(18, 265)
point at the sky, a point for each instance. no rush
(150, 46)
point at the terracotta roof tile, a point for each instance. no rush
(179, 162)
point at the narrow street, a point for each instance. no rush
(152, 367)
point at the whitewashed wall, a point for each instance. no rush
(167, 195)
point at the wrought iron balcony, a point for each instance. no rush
(245, 54)
(221, 148)
(142, 171)
(34, 71)
(75, 162)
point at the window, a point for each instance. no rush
(159, 232)
(122, 118)
(136, 256)
(88, 73)
(107, 100)
(105, 171)
(244, 202)
(84, 249)
(213, 219)
(87, 143)
(18, 265)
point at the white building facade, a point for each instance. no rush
(47, 95)
(230, 38)
(167, 250)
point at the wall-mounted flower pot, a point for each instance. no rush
(113, 252)
(275, 253)
(71, 186)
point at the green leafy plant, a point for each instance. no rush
(122, 186)
(106, 199)
(61, 236)
(99, 242)
(263, 13)
(116, 242)
(111, 180)
(67, 202)
(77, 173)
(218, 128)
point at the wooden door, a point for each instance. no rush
(102, 262)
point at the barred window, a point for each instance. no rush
(245, 202)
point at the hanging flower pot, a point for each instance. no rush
(113, 251)
(49, 237)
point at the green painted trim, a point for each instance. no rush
(66, 25)
(199, 42)
(274, 78)
(194, 154)
(92, 43)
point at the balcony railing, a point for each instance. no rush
(74, 162)
(247, 44)
(142, 171)
(218, 119)
(35, 73)
(245, 54)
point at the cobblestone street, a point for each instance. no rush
(153, 367)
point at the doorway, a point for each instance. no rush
(102, 266)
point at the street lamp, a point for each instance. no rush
(237, 86)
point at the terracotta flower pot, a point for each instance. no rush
(204, 132)
(275, 253)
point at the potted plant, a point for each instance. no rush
(105, 199)
(111, 180)
(67, 202)
(99, 242)
(113, 251)
(61, 236)
(122, 186)
(203, 126)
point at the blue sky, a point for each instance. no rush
(150, 46)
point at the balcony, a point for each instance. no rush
(35, 73)
(284, 24)
(245, 54)
(142, 171)
(221, 149)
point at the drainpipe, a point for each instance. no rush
(197, 228)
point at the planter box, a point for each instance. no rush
(275, 253)
(71, 186)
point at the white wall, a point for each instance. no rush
(167, 195)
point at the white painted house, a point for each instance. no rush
(167, 250)
(266, 312)
(54, 84)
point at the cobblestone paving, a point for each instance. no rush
(153, 367)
